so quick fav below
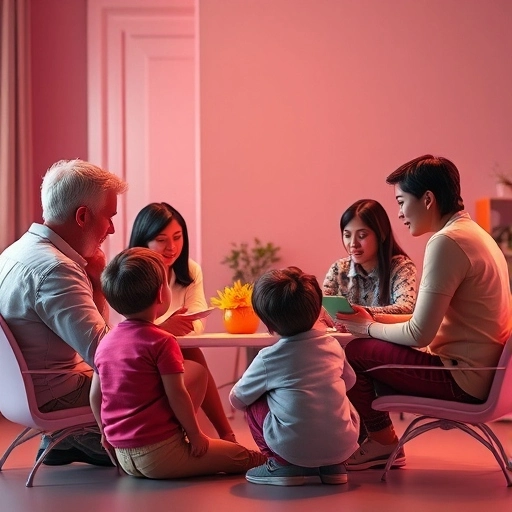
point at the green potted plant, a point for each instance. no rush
(503, 182)
(250, 262)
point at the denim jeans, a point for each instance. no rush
(89, 443)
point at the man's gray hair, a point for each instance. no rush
(69, 184)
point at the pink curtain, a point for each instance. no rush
(16, 189)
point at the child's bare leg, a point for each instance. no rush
(196, 380)
(212, 404)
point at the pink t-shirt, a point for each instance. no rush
(130, 360)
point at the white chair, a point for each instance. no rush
(18, 404)
(470, 418)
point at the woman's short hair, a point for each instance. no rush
(69, 184)
(373, 215)
(151, 221)
(131, 281)
(287, 300)
(434, 173)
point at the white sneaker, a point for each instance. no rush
(372, 454)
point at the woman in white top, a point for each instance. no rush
(162, 228)
(461, 318)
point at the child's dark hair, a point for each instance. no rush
(287, 300)
(131, 281)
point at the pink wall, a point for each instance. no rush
(306, 106)
(59, 83)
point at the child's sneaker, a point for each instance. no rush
(372, 454)
(273, 473)
(334, 474)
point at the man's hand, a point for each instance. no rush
(95, 266)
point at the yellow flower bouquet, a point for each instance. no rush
(236, 296)
(239, 317)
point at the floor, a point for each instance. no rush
(445, 471)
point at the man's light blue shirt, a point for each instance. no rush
(46, 298)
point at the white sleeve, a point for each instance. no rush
(195, 299)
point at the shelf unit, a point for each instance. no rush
(494, 214)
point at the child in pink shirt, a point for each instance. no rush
(144, 395)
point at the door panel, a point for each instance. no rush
(142, 69)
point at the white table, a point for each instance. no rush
(238, 341)
(258, 340)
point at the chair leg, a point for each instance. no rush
(410, 432)
(503, 462)
(494, 439)
(35, 467)
(25, 435)
(55, 439)
(492, 443)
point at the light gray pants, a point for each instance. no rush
(171, 458)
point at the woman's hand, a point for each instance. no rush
(325, 319)
(178, 324)
(357, 323)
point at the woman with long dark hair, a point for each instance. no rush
(377, 273)
(160, 227)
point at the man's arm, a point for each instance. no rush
(95, 266)
(65, 303)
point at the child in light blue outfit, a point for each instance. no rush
(294, 392)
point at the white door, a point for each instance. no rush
(142, 100)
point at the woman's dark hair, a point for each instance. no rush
(375, 217)
(288, 301)
(433, 173)
(151, 221)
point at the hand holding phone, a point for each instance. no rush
(336, 304)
